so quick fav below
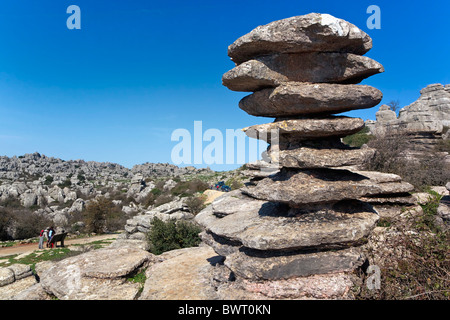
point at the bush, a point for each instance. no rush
(417, 264)
(234, 184)
(429, 169)
(17, 224)
(5, 223)
(28, 225)
(162, 199)
(66, 183)
(171, 235)
(359, 138)
(195, 204)
(101, 215)
(48, 180)
(188, 188)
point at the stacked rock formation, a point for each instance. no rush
(307, 219)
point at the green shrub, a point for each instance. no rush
(171, 235)
(234, 184)
(188, 188)
(359, 138)
(156, 191)
(427, 221)
(65, 183)
(48, 180)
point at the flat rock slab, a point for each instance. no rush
(306, 129)
(306, 158)
(16, 290)
(96, 275)
(320, 286)
(6, 276)
(264, 225)
(313, 32)
(298, 98)
(263, 265)
(273, 70)
(298, 187)
(185, 276)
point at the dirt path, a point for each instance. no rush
(24, 248)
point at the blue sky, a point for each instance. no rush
(137, 70)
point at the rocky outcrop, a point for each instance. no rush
(424, 122)
(304, 220)
(166, 170)
(55, 189)
(95, 275)
(138, 226)
(184, 274)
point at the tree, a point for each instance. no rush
(394, 105)
(97, 213)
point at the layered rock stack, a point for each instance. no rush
(298, 232)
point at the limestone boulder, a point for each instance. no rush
(6, 276)
(313, 32)
(185, 274)
(96, 275)
(273, 70)
(264, 225)
(297, 98)
(307, 158)
(299, 187)
(266, 265)
(306, 129)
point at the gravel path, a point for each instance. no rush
(23, 248)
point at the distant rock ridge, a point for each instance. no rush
(56, 189)
(425, 121)
(35, 164)
(166, 169)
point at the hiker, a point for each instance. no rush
(51, 233)
(42, 235)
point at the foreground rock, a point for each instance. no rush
(97, 275)
(184, 275)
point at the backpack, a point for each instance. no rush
(42, 233)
